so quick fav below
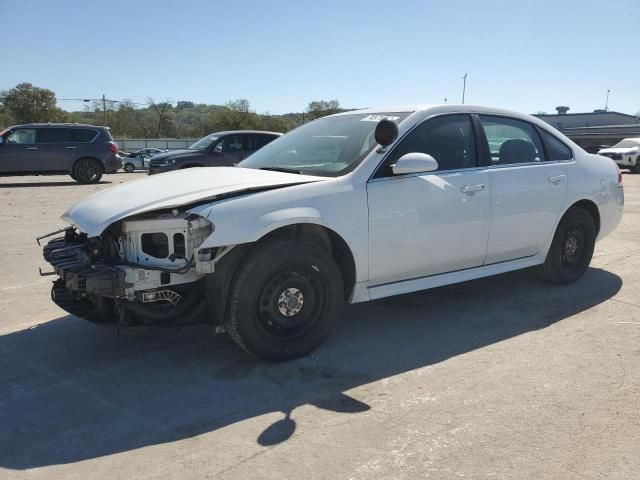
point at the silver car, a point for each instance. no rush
(139, 160)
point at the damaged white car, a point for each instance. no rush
(352, 207)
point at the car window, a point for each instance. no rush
(261, 140)
(230, 144)
(54, 135)
(511, 140)
(83, 135)
(449, 139)
(556, 149)
(23, 136)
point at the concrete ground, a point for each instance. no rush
(506, 377)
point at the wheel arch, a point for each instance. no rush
(75, 163)
(591, 207)
(327, 239)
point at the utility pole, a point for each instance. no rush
(464, 86)
(606, 103)
(104, 109)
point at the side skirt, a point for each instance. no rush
(424, 283)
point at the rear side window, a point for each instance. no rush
(54, 135)
(511, 140)
(449, 139)
(556, 149)
(261, 140)
(84, 135)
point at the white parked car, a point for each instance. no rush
(625, 153)
(351, 207)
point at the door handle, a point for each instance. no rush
(70, 148)
(471, 189)
(556, 179)
(32, 148)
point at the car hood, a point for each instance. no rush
(173, 189)
(176, 153)
(618, 150)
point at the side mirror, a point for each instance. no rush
(415, 163)
(386, 132)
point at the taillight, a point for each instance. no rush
(619, 176)
(113, 147)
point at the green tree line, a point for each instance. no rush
(26, 103)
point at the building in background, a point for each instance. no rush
(593, 130)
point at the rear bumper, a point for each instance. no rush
(112, 164)
(611, 213)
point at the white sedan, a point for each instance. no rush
(351, 207)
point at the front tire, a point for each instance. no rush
(572, 248)
(284, 300)
(87, 170)
(129, 167)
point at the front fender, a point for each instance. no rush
(228, 231)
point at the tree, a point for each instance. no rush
(165, 118)
(28, 103)
(184, 104)
(6, 120)
(322, 108)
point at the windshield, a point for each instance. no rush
(329, 146)
(204, 143)
(627, 143)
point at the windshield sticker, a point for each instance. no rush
(377, 118)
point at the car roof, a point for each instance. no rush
(440, 108)
(230, 132)
(55, 125)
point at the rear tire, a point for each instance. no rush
(129, 167)
(572, 248)
(284, 300)
(87, 170)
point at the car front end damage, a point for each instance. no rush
(146, 269)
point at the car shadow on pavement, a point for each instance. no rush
(48, 184)
(71, 391)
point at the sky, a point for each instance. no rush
(523, 55)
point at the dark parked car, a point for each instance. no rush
(83, 151)
(216, 150)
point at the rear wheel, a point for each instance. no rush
(129, 167)
(284, 301)
(87, 170)
(572, 247)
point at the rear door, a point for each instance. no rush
(527, 189)
(56, 149)
(18, 152)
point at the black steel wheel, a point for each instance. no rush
(87, 170)
(572, 247)
(285, 298)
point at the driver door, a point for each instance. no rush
(431, 223)
(19, 152)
